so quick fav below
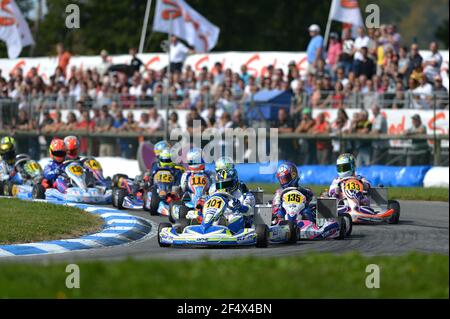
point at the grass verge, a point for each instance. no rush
(26, 222)
(401, 193)
(415, 275)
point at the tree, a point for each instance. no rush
(441, 33)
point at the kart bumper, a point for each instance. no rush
(171, 237)
(90, 196)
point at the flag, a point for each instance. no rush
(346, 11)
(14, 30)
(178, 18)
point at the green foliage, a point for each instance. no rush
(314, 275)
(25, 222)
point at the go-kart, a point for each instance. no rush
(78, 187)
(367, 207)
(133, 194)
(193, 200)
(327, 224)
(28, 173)
(213, 230)
(94, 169)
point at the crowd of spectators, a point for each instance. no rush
(372, 70)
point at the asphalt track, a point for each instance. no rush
(423, 227)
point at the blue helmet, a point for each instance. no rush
(287, 174)
(227, 180)
(160, 146)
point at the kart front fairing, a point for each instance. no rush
(78, 195)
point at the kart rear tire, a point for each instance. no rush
(182, 224)
(115, 179)
(395, 205)
(120, 197)
(342, 228)
(154, 203)
(292, 230)
(262, 236)
(38, 192)
(160, 227)
(349, 224)
(7, 188)
(2, 192)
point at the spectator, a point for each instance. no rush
(420, 149)
(323, 147)
(414, 60)
(315, 47)
(85, 125)
(104, 125)
(307, 147)
(334, 51)
(364, 65)
(135, 62)
(432, 63)
(363, 127)
(441, 93)
(72, 122)
(423, 93)
(156, 122)
(192, 121)
(105, 64)
(346, 58)
(340, 126)
(361, 41)
(379, 147)
(178, 54)
(173, 122)
(63, 58)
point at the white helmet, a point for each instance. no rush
(224, 162)
(195, 160)
(345, 165)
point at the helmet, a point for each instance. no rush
(8, 151)
(227, 180)
(21, 159)
(72, 146)
(57, 150)
(224, 163)
(195, 160)
(287, 174)
(160, 146)
(345, 165)
(165, 159)
(8, 139)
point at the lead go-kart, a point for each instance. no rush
(213, 230)
(136, 195)
(370, 207)
(28, 173)
(83, 183)
(327, 224)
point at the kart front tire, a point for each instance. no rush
(2, 192)
(293, 236)
(114, 197)
(7, 188)
(120, 198)
(342, 228)
(160, 227)
(395, 205)
(38, 192)
(262, 236)
(154, 203)
(349, 224)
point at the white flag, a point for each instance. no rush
(178, 18)
(13, 28)
(346, 11)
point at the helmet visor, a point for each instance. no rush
(285, 179)
(342, 168)
(59, 153)
(224, 185)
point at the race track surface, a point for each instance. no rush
(423, 227)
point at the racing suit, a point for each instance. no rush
(53, 172)
(240, 210)
(184, 181)
(278, 211)
(9, 173)
(335, 188)
(147, 179)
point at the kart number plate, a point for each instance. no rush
(76, 170)
(93, 164)
(293, 197)
(163, 177)
(214, 203)
(198, 181)
(353, 185)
